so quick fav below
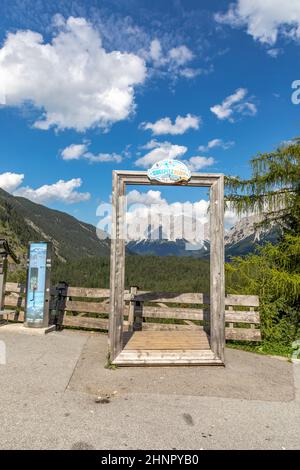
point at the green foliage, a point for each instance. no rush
(85, 272)
(274, 272)
(171, 273)
(273, 191)
(265, 347)
(17, 275)
(13, 229)
(276, 280)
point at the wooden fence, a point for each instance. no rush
(89, 308)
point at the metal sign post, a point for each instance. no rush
(38, 285)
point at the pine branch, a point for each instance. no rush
(273, 191)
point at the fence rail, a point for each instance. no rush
(89, 308)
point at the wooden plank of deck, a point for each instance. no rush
(168, 340)
(131, 357)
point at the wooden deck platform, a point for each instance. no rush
(174, 340)
(166, 348)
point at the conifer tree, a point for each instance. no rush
(273, 191)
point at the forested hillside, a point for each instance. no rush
(147, 272)
(22, 220)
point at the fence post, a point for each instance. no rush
(3, 273)
(58, 304)
(230, 309)
(5, 251)
(252, 325)
(132, 302)
(138, 316)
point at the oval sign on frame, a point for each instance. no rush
(169, 171)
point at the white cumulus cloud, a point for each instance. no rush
(198, 163)
(10, 181)
(155, 52)
(264, 20)
(214, 143)
(180, 55)
(161, 151)
(176, 219)
(64, 191)
(235, 104)
(147, 198)
(72, 80)
(173, 61)
(80, 152)
(180, 126)
(74, 151)
(103, 157)
(274, 52)
(144, 207)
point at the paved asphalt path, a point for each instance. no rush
(56, 394)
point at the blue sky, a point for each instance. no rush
(102, 86)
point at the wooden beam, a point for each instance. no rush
(217, 290)
(15, 316)
(173, 297)
(198, 314)
(88, 292)
(243, 334)
(15, 287)
(88, 307)
(169, 327)
(176, 313)
(242, 316)
(166, 358)
(83, 322)
(242, 300)
(196, 298)
(167, 297)
(141, 178)
(117, 267)
(14, 300)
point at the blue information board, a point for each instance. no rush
(36, 284)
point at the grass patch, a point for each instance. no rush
(266, 348)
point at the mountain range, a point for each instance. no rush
(22, 220)
(240, 240)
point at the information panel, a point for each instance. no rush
(37, 292)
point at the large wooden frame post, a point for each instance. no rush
(117, 267)
(217, 277)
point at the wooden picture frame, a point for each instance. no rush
(117, 266)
